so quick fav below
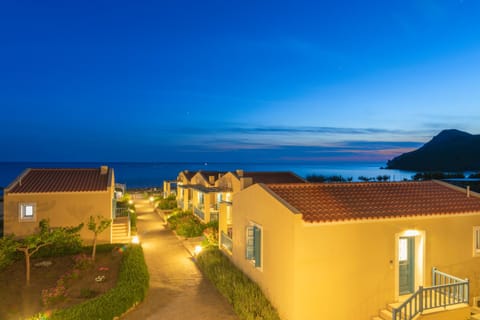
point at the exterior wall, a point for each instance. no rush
(276, 275)
(349, 270)
(183, 197)
(62, 209)
(344, 270)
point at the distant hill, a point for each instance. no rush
(450, 150)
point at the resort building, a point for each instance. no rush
(360, 250)
(202, 194)
(66, 197)
(184, 194)
(233, 182)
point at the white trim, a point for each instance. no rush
(252, 262)
(419, 260)
(21, 212)
(476, 241)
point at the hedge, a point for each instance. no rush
(131, 288)
(243, 294)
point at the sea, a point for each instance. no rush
(152, 174)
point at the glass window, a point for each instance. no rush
(27, 211)
(254, 245)
(476, 241)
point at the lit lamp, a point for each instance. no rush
(135, 240)
(197, 250)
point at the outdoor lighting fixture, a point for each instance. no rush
(135, 240)
(411, 233)
(198, 249)
(130, 201)
(151, 199)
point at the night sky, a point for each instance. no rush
(234, 80)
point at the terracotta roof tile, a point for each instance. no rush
(60, 180)
(324, 202)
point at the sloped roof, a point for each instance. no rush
(188, 174)
(272, 177)
(326, 202)
(207, 174)
(60, 180)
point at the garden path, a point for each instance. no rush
(178, 290)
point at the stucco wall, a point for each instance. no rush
(62, 209)
(344, 270)
(349, 271)
(276, 275)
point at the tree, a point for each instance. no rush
(97, 226)
(45, 237)
(8, 246)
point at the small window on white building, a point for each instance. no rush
(476, 241)
(253, 245)
(27, 211)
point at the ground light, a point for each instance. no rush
(135, 240)
(197, 250)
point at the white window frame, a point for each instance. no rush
(476, 241)
(22, 208)
(250, 245)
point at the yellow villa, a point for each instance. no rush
(197, 192)
(233, 182)
(392, 250)
(67, 197)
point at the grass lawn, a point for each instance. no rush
(20, 302)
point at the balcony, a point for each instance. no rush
(226, 241)
(199, 212)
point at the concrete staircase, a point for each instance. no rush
(120, 230)
(386, 314)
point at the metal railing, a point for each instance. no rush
(446, 290)
(226, 241)
(199, 213)
(122, 212)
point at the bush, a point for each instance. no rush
(185, 224)
(244, 295)
(7, 251)
(168, 203)
(131, 288)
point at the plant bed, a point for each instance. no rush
(242, 293)
(58, 285)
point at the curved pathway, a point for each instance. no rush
(178, 289)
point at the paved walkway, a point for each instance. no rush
(177, 288)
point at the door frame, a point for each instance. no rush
(419, 260)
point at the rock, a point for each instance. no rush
(43, 264)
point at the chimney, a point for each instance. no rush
(245, 182)
(239, 172)
(211, 179)
(468, 191)
(103, 170)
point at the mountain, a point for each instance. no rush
(450, 150)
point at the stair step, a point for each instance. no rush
(392, 306)
(385, 314)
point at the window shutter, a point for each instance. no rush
(257, 242)
(249, 245)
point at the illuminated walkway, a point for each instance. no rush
(177, 288)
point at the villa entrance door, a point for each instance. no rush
(406, 261)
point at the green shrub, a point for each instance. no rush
(168, 203)
(186, 224)
(131, 288)
(244, 295)
(7, 251)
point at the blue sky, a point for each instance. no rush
(234, 80)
